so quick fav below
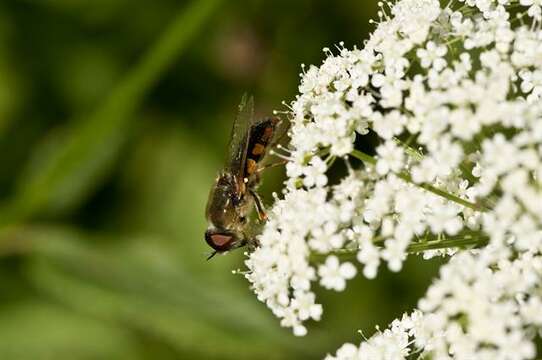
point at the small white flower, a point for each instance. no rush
(433, 55)
(334, 275)
(535, 7)
(306, 307)
(347, 351)
(390, 125)
(370, 257)
(531, 82)
(315, 173)
(395, 254)
(444, 218)
(390, 158)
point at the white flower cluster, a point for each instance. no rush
(305, 222)
(486, 305)
(454, 93)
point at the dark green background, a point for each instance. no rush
(114, 117)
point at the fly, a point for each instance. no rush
(233, 194)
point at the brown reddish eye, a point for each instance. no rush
(220, 241)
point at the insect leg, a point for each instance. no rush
(252, 244)
(259, 205)
(271, 165)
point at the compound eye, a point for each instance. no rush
(220, 241)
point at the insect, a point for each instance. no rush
(233, 194)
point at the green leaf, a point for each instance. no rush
(120, 287)
(84, 156)
(37, 330)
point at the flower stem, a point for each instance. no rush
(463, 241)
(368, 159)
(418, 156)
(466, 241)
(454, 198)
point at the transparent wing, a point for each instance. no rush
(239, 138)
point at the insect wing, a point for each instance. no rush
(240, 133)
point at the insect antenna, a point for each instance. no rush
(212, 255)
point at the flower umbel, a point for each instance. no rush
(454, 94)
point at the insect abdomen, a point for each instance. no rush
(260, 138)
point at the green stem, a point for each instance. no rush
(418, 156)
(368, 159)
(409, 150)
(464, 241)
(442, 193)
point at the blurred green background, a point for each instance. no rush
(114, 118)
